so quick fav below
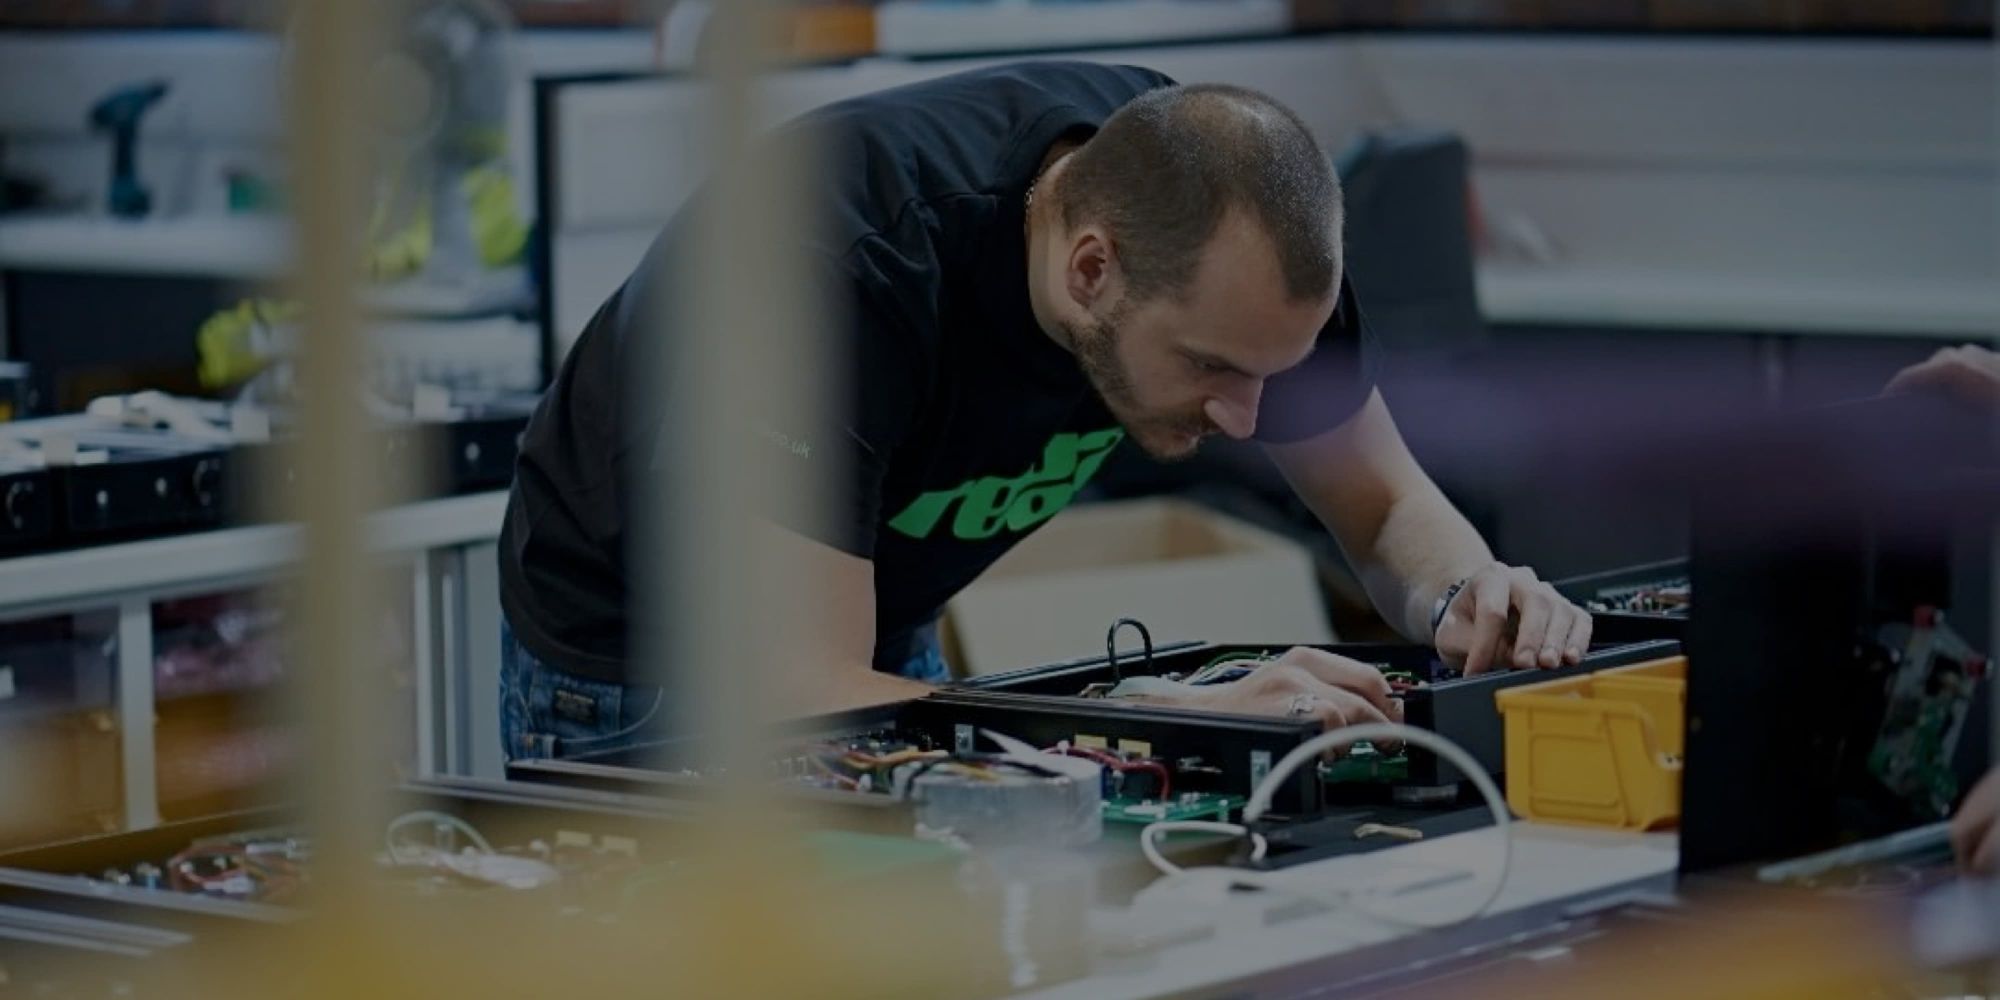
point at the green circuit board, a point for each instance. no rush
(1366, 762)
(1187, 805)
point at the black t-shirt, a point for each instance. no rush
(968, 426)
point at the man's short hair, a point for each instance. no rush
(1165, 168)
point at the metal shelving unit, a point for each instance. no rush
(443, 551)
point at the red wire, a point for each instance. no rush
(1087, 753)
(1156, 768)
(1116, 764)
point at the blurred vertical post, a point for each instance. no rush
(738, 351)
(342, 770)
(1993, 541)
(743, 358)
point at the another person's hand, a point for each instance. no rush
(1970, 373)
(1303, 683)
(1504, 616)
(1975, 831)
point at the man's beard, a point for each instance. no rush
(1096, 349)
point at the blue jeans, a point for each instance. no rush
(549, 713)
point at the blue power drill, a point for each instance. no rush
(119, 115)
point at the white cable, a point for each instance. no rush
(1151, 850)
(429, 815)
(1375, 732)
(1380, 732)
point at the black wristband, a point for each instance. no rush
(1444, 604)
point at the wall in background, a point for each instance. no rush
(1792, 157)
(1828, 159)
(1805, 185)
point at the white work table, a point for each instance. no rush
(1553, 867)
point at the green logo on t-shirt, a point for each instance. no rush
(991, 503)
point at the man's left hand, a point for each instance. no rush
(1975, 830)
(1506, 616)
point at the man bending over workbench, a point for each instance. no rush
(1040, 263)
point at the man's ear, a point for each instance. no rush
(1092, 274)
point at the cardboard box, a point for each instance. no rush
(1186, 572)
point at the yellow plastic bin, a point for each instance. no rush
(1599, 750)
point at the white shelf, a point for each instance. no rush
(1883, 305)
(246, 248)
(72, 576)
(903, 27)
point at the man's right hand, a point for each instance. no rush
(1303, 683)
(1970, 373)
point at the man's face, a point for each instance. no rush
(1175, 369)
